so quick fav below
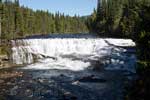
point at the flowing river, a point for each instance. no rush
(69, 67)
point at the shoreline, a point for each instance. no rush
(6, 64)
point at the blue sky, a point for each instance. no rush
(68, 7)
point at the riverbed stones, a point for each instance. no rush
(5, 74)
(13, 91)
(62, 75)
(1, 81)
(69, 96)
(29, 93)
(8, 83)
(92, 79)
(75, 83)
(97, 65)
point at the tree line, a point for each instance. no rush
(117, 18)
(18, 21)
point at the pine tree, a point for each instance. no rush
(22, 21)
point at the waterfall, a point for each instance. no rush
(82, 50)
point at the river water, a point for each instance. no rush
(72, 67)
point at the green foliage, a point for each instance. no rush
(143, 45)
(119, 18)
(20, 21)
(108, 16)
(141, 87)
(91, 21)
(143, 66)
(3, 50)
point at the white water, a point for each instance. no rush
(69, 53)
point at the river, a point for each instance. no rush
(72, 67)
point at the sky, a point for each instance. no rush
(68, 7)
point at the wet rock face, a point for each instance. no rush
(3, 61)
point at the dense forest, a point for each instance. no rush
(127, 19)
(19, 21)
(118, 18)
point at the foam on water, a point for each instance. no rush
(65, 53)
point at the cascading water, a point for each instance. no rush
(71, 53)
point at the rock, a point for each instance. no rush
(62, 75)
(31, 81)
(48, 91)
(69, 96)
(22, 81)
(91, 79)
(1, 81)
(28, 90)
(73, 98)
(41, 80)
(13, 91)
(5, 74)
(75, 83)
(67, 93)
(20, 75)
(97, 65)
(8, 83)
(30, 96)
(29, 93)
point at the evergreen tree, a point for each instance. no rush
(21, 21)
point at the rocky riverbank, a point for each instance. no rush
(6, 63)
(18, 84)
(6, 77)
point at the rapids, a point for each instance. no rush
(74, 53)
